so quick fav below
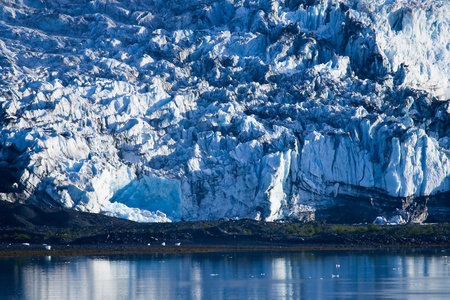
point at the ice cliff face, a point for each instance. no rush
(167, 110)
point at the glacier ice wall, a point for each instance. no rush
(167, 110)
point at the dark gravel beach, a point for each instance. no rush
(27, 230)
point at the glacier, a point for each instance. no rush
(160, 111)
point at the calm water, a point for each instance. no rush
(262, 275)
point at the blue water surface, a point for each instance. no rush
(383, 274)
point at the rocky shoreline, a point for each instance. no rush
(27, 230)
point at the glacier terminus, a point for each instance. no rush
(168, 110)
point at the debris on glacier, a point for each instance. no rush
(160, 111)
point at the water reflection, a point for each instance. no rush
(300, 275)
